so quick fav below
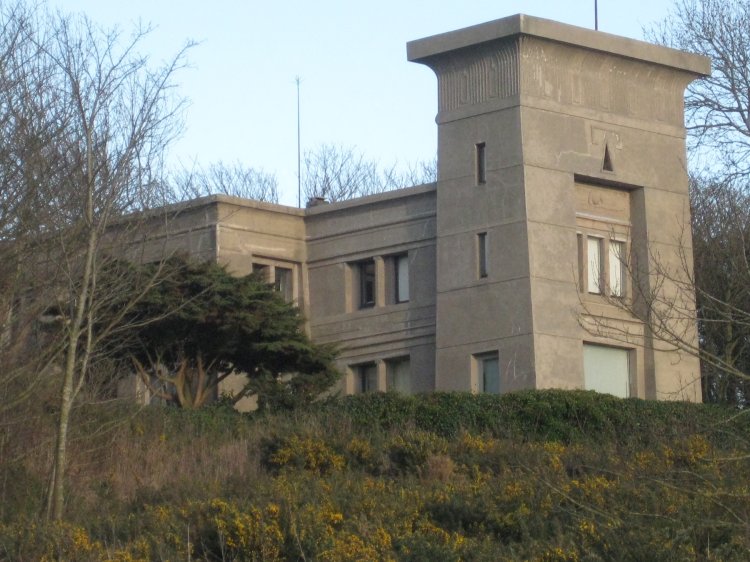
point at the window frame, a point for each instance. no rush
(266, 268)
(479, 361)
(607, 264)
(365, 377)
(363, 275)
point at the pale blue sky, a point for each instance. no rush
(357, 88)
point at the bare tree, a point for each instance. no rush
(227, 179)
(336, 173)
(718, 123)
(718, 106)
(85, 120)
(721, 246)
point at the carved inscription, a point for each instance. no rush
(478, 75)
(600, 81)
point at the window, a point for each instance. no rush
(482, 254)
(365, 378)
(616, 268)
(602, 259)
(366, 284)
(603, 220)
(283, 282)
(401, 266)
(594, 254)
(398, 376)
(488, 373)
(480, 163)
(606, 369)
(262, 270)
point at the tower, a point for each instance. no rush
(561, 198)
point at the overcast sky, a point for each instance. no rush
(357, 89)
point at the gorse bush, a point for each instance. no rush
(533, 476)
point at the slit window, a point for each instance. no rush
(480, 163)
(482, 254)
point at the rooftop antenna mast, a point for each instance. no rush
(596, 15)
(299, 153)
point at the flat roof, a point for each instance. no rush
(521, 24)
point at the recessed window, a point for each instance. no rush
(398, 375)
(365, 378)
(480, 163)
(603, 223)
(283, 282)
(366, 270)
(488, 372)
(482, 254)
(401, 267)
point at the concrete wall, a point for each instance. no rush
(380, 227)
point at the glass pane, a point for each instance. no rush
(491, 375)
(283, 282)
(367, 284)
(616, 269)
(366, 378)
(402, 279)
(594, 249)
(606, 369)
(399, 377)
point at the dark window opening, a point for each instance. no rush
(482, 254)
(367, 284)
(481, 163)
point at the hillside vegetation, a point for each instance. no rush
(538, 476)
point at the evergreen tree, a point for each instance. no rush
(201, 324)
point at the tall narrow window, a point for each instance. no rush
(481, 163)
(398, 375)
(488, 373)
(402, 278)
(366, 378)
(594, 250)
(367, 284)
(283, 282)
(616, 268)
(482, 254)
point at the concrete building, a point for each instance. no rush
(561, 178)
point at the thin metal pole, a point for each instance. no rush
(299, 153)
(596, 15)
